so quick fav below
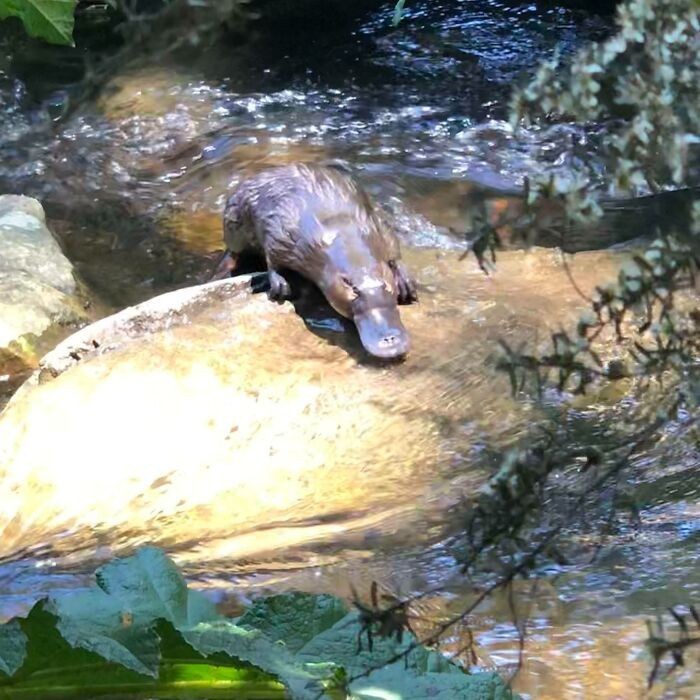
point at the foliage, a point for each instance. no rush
(142, 631)
(51, 20)
(648, 72)
(672, 645)
(644, 84)
(54, 20)
(646, 75)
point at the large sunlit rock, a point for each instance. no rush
(213, 419)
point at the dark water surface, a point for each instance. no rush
(418, 109)
(134, 183)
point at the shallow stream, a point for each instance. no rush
(134, 182)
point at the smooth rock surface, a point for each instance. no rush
(39, 297)
(217, 424)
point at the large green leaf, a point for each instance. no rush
(183, 667)
(306, 680)
(341, 644)
(436, 686)
(13, 647)
(98, 622)
(53, 668)
(420, 673)
(149, 586)
(318, 628)
(294, 618)
(143, 633)
(51, 20)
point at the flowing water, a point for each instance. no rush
(134, 183)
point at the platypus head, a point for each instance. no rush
(368, 296)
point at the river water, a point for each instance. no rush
(134, 182)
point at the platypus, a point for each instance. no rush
(317, 221)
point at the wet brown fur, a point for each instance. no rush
(317, 221)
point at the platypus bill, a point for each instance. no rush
(319, 222)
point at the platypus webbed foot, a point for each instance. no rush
(406, 287)
(279, 287)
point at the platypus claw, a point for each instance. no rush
(279, 287)
(405, 286)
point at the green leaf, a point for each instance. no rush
(121, 637)
(13, 647)
(398, 12)
(184, 666)
(54, 668)
(340, 644)
(305, 679)
(436, 686)
(142, 633)
(149, 586)
(97, 622)
(295, 618)
(51, 20)
(420, 674)
(631, 269)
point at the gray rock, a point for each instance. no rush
(39, 298)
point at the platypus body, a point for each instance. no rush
(317, 221)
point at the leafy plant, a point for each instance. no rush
(141, 631)
(398, 12)
(643, 84)
(51, 20)
(672, 646)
